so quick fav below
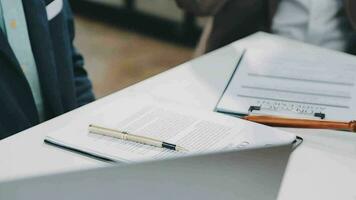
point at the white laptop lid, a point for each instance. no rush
(248, 174)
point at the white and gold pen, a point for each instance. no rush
(133, 138)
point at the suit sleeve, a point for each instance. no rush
(83, 86)
(201, 7)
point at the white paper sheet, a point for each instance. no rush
(293, 82)
(197, 131)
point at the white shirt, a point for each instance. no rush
(320, 22)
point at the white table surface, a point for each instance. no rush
(323, 167)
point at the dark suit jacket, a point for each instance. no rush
(63, 80)
(234, 19)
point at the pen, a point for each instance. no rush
(133, 138)
(302, 123)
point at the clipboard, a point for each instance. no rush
(286, 101)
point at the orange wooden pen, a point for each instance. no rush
(302, 123)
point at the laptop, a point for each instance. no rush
(247, 174)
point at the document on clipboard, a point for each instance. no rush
(292, 82)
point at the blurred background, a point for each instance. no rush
(126, 41)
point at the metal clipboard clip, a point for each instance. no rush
(258, 110)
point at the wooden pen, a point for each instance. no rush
(302, 123)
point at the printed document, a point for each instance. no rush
(197, 131)
(293, 82)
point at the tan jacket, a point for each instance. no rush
(234, 19)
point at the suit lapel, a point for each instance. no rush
(8, 54)
(39, 33)
(272, 8)
(350, 6)
(273, 5)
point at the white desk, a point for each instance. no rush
(323, 167)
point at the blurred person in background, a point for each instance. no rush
(41, 73)
(326, 23)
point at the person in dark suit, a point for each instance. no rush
(41, 72)
(327, 23)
